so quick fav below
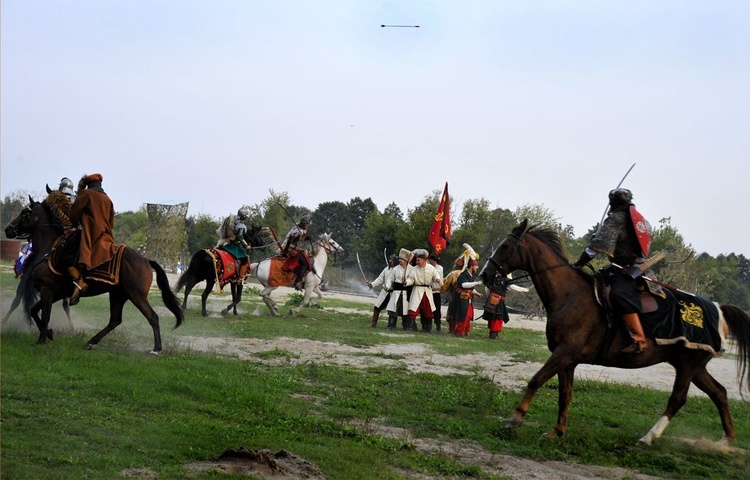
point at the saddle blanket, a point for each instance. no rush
(225, 267)
(278, 276)
(685, 319)
(108, 272)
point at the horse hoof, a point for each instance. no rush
(154, 353)
(90, 346)
(50, 334)
(513, 423)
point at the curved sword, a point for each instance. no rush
(362, 271)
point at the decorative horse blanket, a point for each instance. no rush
(278, 276)
(225, 266)
(685, 319)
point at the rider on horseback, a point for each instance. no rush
(236, 244)
(624, 237)
(297, 259)
(94, 215)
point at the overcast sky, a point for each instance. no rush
(545, 102)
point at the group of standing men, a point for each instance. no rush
(411, 286)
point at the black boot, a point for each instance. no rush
(392, 322)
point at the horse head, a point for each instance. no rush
(24, 223)
(329, 244)
(254, 235)
(507, 256)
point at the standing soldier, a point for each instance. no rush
(422, 278)
(434, 260)
(462, 306)
(382, 301)
(395, 284)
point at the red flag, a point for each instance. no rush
(440, 233)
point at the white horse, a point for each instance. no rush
(321, 248)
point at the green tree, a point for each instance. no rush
(131, 228)
(379, 239)
(201, 232)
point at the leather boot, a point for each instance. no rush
(392, 320)
(79, 283)
(243, 271)
(375, 315)
(635, 330)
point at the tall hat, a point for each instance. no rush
(421, 253)
(463, 260)
(404, 254)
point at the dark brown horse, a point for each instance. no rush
(136, 276)
(577, 332)
(201, 268)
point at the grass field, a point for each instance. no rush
(115, 412)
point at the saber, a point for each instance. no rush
(607, 208)
(399, 26)
(362, 271)
(385, 255)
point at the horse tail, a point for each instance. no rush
(167, 295)
(189, 274)
(28, 289)
(739, 326)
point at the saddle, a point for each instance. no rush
(671, 316)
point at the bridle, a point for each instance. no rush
(516, 247)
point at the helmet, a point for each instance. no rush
(305, 219)
(243, 213)
(66, 186)
(620, 196)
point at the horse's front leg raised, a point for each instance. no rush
(555, 364)
(305, 300)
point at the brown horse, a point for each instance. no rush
(577, 332)
(136, 276)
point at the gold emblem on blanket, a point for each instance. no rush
(691, 313)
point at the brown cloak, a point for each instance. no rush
(95, 213)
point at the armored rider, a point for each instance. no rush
(236, 244)
(625, 238)
(297, 259)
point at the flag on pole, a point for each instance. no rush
(440, 233)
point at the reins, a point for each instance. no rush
(528, 274)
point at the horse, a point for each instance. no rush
(202, 268)
(577, 332)
(135, 279)
(264, 270)
(17, 301)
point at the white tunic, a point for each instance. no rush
(422, 280)
(380, 282)
(398, 276)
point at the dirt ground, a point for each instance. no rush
(418, 357)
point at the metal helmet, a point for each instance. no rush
(305, 219)
(243, 213)
(66, 186)
(620, 196)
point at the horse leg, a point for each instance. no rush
(238, 296)
(141, 303)
(42, 323)
(66, 307)
(684, 375)
(14, 304)
(204, 296)
(564, 394)
(116, 302)
(555, 364)
(34, 313)
(718, 394)
(266, 295)
(314, 301)
(188, 288)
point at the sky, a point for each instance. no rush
(218, 102)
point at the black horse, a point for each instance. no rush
(201, 268)
(135, 279)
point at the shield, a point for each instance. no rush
(642, 230)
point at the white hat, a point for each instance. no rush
(404, 254)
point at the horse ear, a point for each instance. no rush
(524, 225)
(31, 201)
(49, 190)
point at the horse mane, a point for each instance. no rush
(550, 237)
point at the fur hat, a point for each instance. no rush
(421, 253)
(404, 254)
(94, 177)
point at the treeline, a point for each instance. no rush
(362, 228)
